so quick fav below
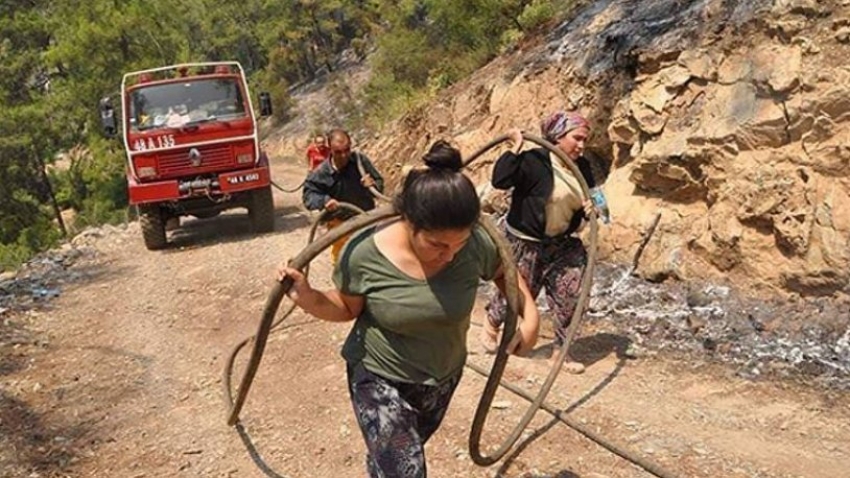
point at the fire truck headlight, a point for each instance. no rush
(244, 158)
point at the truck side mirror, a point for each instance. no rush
(265, 104)
(107, 117)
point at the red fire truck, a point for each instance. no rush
(192, 149)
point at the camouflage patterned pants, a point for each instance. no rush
(396, 420)
(558, 266)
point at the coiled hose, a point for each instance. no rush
(314, 248)
(302, 260)
(538, 401)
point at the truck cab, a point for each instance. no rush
(192, 147)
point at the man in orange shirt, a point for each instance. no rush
(317, 152)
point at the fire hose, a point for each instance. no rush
(302, 260)
(231, 359)
(282, 189)
(498, 368)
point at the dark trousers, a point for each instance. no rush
(396, 420)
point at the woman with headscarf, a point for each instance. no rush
(547, 208)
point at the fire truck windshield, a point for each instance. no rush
(192, 101)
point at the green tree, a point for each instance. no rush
(58, 58)
(28, 136)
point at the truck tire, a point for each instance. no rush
(153, 226)
(261, 210)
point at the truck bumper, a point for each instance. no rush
(175, 190)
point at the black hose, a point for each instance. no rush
(538, 402)
(281, 188)
(269, 311)
(311, 251)
(302, 260)
(481, 412)
(618, 450)
(372, 189)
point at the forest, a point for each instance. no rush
(58, 58)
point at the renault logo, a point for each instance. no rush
(195, 157)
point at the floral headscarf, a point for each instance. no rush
(560, 123)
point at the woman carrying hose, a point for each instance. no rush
(547, 208)
(411, 283)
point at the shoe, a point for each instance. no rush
(489, 338)
(570, 366)
(574, 368)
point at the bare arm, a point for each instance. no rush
(529, 320)
(331, 305)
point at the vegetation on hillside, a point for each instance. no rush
(58, 58)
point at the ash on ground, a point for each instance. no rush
(42, 278)
(802, 339)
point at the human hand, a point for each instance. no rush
(300, 285)
(589, 208)
(516, 139)
(367, 181)
(332, 204)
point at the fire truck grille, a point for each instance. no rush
(213, 158)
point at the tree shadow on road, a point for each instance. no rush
(29, 445)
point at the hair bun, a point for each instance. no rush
(443, 155)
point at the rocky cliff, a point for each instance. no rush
(731, 119)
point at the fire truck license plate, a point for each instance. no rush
(244, 178)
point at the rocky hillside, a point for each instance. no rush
(731, 119)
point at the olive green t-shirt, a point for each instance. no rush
(412, 330)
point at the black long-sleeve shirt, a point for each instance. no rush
(344, 185)
(531, 176)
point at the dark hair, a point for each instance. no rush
(439, 197)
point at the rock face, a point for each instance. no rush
(732, 119)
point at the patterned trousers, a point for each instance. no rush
(556, 265)
(396, 420)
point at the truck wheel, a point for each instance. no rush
(261, 210)
(153, 226)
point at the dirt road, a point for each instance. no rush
(120, 376)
